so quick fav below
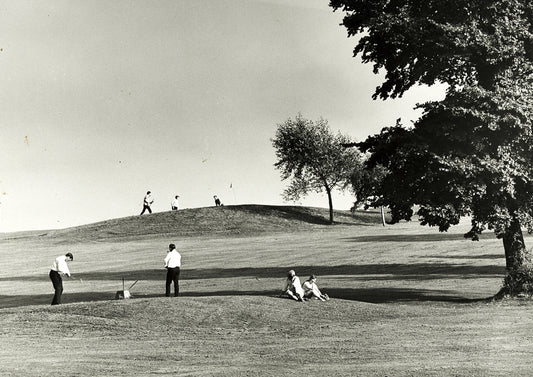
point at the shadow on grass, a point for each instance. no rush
(77, 297)
(394, 295)
(484, 256)
(390, 271)
(428, 237)
(288, 212)
(306, 215)
(67, 298)
(369, 272)
(369, 295)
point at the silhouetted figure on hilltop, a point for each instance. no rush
(147, 202)
(174, 204)
(217, 201)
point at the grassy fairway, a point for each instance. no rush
(406, 300)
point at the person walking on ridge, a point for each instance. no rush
(174, 204)
(147, 202)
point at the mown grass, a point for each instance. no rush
(406, 301)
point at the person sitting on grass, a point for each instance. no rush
(311, 290)
(293, 288)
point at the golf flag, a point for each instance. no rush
(233, 191)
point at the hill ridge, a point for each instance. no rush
(236, 220)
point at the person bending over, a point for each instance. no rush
(58, 268)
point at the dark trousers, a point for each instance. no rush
(57, 282)
(146, 208)
(173, 275)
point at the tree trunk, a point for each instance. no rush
(519, 278)
(515, 249)
(382, 216)
(330, 205)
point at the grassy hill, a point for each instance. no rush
(240, 220)
(405, 300)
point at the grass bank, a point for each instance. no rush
(406, 301)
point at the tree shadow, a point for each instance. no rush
(273, 275)
(393, 271)
(46, 299)
(307, 214)
(395, 295)
(226, 292)
(286, 212)
(484, 256)
(369, 295)
(78, 297)
(427, 237)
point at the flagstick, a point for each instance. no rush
(233, 191)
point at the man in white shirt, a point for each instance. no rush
(173, 265)
(147, 202)
(174, 203)
(311, 290)
(293, 287)
(59, 267)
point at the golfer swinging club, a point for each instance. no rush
(59, 267)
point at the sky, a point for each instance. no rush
(101, 101)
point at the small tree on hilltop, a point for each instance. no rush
(314, 158)
(471, 153)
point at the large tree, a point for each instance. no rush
(471, 153)
(366, 183)
(314, 158)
